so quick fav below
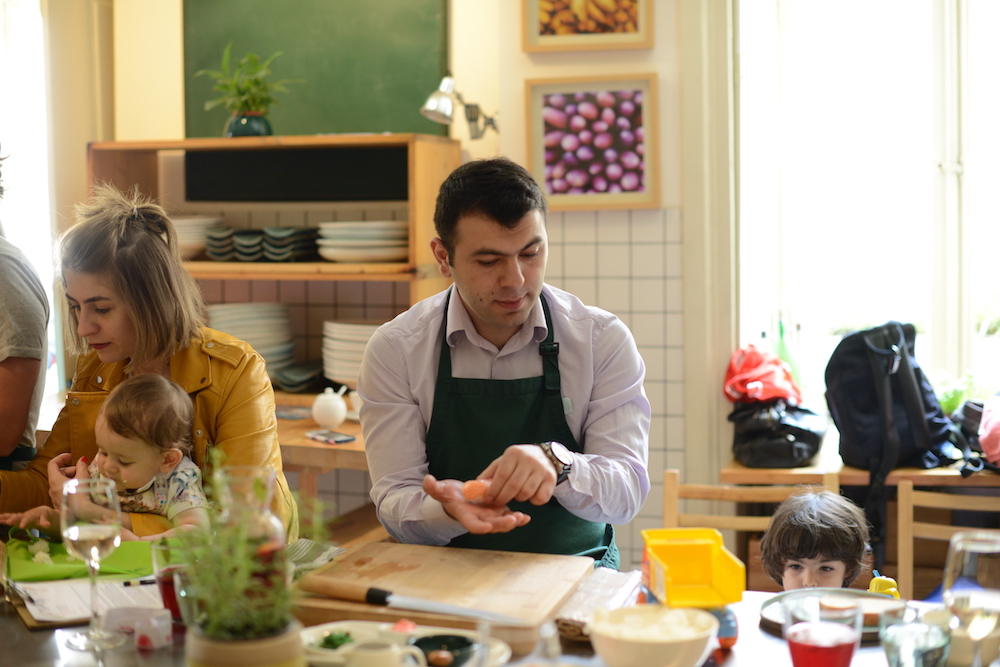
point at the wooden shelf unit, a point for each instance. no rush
(427, 160)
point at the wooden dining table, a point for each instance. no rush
(755, 647)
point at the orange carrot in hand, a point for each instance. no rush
(475, 490)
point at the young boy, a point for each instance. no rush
(815, 539)
(143, 435)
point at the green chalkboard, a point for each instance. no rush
(368, 64)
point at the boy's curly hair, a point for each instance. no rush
(812, 524)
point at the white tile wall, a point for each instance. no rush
(627, 262)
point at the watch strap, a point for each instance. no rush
(562, 467)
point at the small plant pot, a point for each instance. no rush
(249, 124)
(281, 650)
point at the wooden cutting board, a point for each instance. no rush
(529, 587)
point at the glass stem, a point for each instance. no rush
(977, 653)
(95, 621)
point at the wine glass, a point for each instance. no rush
(972, 585)
(91, 529)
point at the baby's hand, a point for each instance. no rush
(41, 517)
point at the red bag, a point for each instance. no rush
(754, 375)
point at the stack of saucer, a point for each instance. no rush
(219, 244)
(265, 326)
(248, 245)
(288, 244)
(368, 241)
(343, 347)
(192, 231)
(297, 378)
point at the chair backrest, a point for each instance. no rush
(907, 500)
(674, 491)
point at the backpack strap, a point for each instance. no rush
(883, 366)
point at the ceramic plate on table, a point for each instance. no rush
(499, 651)
(772, 614)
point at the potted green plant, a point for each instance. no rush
(234, 592)
(246, 91)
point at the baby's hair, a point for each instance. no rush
(152, 408)
(815, 524)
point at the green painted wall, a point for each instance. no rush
(368, 64)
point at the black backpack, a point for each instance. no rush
(888, 415)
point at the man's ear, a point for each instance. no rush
(441, 255)
(171, 458)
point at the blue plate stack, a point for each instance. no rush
(249, 245)
(265, 326)
(219, 244)
(289, 244)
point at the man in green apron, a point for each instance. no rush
(504, 378)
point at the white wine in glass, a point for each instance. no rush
(972, 585)
(91, 529)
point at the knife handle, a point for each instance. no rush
(343, 590)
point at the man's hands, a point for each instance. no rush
(478, 518)
(522, 473)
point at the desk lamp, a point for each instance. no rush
(439, 108)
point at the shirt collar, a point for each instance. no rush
(460, 323)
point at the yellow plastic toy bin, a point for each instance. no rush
(691, 567)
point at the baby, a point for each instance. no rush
(815, 539)
(143, 435)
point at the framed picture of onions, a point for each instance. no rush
(582, 25)
(592, 141)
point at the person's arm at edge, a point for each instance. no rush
(17, 382)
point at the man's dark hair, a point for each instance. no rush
(498, 189)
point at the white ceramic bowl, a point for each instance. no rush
(652, 636)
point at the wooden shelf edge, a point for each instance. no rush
(273, 141)
(300, 271)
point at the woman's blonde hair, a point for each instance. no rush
(152, 408)
(129, 238)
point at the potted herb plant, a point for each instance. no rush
(234, 591)
(246, 91)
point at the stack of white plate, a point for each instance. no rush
(367, 241)
(343, 347)
(265, 326)
(192, 230)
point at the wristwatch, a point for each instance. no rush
(562, 467)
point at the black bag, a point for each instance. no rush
(774, 434)
(888, 415)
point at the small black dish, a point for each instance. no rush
(446, 650)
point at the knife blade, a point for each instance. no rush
(348, 590)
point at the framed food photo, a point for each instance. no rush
(592, 141)
(581, 25)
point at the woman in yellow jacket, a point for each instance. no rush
(136, 310)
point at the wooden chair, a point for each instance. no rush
(907, 500)
(674, 491)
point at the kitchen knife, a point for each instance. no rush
(346, 590)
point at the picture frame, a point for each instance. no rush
(593, 141)
(583, 25)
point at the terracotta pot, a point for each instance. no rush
(283, 650)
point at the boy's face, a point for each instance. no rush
(813, 572)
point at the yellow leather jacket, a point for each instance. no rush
(233, 412)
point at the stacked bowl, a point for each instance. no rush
(265, 326)
(288, 244)
(343, 347)
(365, 241)
(219, 245)
(192, 231)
